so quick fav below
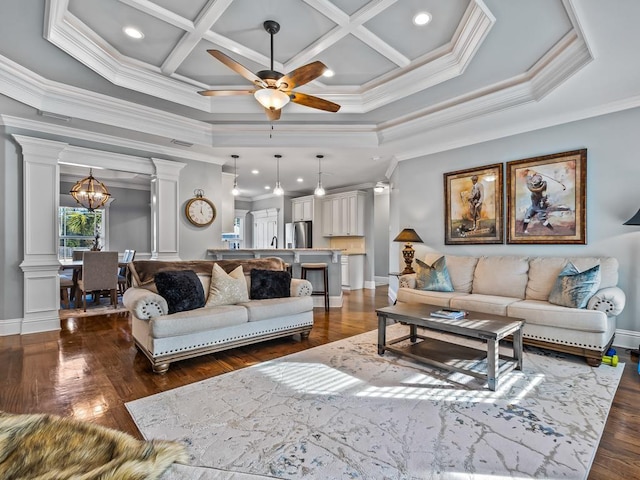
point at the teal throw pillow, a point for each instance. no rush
(574, 288)
(435, 277)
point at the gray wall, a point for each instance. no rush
(194, 241)
(381, 234)
(11, 248)
(613, 195)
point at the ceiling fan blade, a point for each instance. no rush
(273, 114)
(301, 75)
(313, 102)
(236, 67)
(225, 93)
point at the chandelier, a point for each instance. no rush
(90, 193)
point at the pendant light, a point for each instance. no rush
(234, 191)
(319, 191)
(278, 190)
(90, 193)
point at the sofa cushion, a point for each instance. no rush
(543, 272)
(537, 312)
(200, 320)
(181, 289)
(441, 299)
(501, 276)
(492, 304)
(574, 288)
(227, 288)
(460, 269)
(269, 284)
(433, 277)
(277, 307)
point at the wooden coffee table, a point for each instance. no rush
(489, 328)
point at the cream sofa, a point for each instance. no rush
(519, 287)
(166, 338)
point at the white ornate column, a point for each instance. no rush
(165, 210)
(41, 188)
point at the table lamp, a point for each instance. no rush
(408, 235)
(635, 220)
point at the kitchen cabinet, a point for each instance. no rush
(343, 214)
(352, 268)
(302, 208)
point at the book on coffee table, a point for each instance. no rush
(449, 313)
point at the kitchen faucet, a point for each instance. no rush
(274, 241)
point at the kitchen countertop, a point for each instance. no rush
(221, 253)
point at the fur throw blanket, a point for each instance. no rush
(47, 447)
(143, 271)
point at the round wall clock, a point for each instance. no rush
(200, 211)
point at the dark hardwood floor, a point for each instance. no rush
(91, 367)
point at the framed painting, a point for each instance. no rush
(546, 199)
(473, 206)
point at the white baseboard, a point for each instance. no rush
(627, 339)
(10, 326)
(370, 285)
(381, 280)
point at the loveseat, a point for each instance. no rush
(520, 287)
(226, 320)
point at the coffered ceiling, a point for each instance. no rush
(478, 70)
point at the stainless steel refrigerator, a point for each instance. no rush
(301, 234)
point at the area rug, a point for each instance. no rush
(104, 308)
(47, 447)
(342, 411)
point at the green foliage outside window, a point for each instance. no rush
(79, 229)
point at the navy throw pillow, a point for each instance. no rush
(181, 289)
(270, 284)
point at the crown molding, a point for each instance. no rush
(110, 140)
(436, 67)
(21, 84)
(567, 56)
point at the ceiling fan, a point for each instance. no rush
(274, 89)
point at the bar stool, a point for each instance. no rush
(324, 268)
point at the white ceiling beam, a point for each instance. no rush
(207, 17)
(160, 13)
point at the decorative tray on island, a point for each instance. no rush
(449, 313)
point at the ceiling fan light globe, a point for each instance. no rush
(271, 98)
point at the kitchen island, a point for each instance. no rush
(294, 257)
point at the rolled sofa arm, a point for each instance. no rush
(609, 300)
(144, 304)
(408, 280)
(300, 287)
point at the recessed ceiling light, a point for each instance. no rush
(328, 73)
(255, 172)
(267, 187)
(300, 180)
(133, 32)
(422, 18)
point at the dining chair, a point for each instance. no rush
(99, 272)
(66, 285)
(123, 281)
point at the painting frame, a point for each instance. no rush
(547, 198)
(467, 220)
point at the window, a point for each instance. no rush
(79, 229)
